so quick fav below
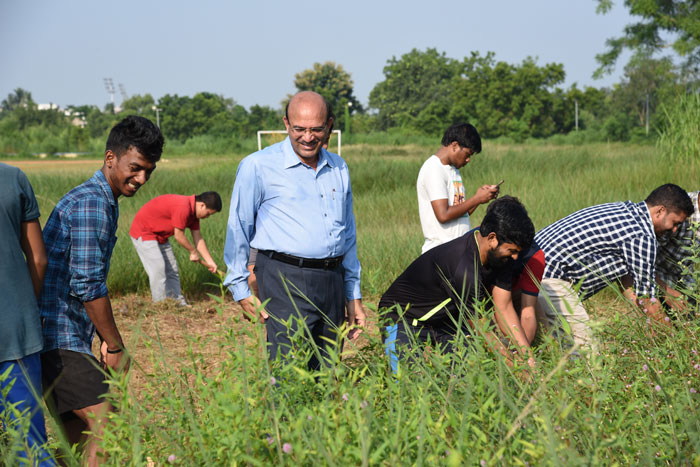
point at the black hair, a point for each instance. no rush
(508, 219)
(329, 111)
(137, 132)
(211, 200)
(463, 134)
(672, 197)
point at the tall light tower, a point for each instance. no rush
(109, 86)
(122, 90)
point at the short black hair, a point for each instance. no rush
(137, 132)
(211, 200)
(463, 134)
(672, 197)
(508, 219)
(329, 111)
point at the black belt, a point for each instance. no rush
(327, 263)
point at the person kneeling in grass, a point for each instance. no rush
(676, 273)
(74, 303)
(159, 219)
(437, 296)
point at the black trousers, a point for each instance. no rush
(315, 297)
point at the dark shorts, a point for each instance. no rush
(72, 380)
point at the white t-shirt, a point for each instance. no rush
(439, 181)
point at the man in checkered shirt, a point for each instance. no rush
(591, 248)
(674, 267)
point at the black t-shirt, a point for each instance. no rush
(451, 271)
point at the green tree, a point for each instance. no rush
(658, 20)
(17, 99)
(139, 105)
(504, 99)
(416, 91)
(332, 82)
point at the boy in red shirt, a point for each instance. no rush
(158, 220)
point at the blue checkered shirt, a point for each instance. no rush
(597, 245)
(674, 264)
(79, 238)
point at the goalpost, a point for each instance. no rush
(271, 132)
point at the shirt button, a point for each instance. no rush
(325, 215)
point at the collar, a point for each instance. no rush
(645, 210)
(102, 182)
(291, 158)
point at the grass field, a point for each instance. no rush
(200, 392)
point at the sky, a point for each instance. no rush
(61, 51)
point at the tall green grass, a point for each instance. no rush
(635, 403)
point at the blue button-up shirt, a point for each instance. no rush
(79, 237)
(281, 204)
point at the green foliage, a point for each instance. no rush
(679, 19)
(413, 83)
(334, 84)
(680, 138)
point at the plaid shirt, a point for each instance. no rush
(674, 265)
(79, 238)
(599, 244)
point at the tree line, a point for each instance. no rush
(423, 91)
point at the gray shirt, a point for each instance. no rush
(20, 332)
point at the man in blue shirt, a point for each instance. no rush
(292, 201)
(79, 237)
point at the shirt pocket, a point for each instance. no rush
(338, 207)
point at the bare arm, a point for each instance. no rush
(201, 247)
(181, 238)
(445, 213)
(33, 247)
(100, 313)
(508, 322)
(528, 319)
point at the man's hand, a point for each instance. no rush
(116, 361)
(194, 256)
(252, 307)
(356, 317)
(486, 193)
(212, 267)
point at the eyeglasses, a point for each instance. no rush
(317, 131)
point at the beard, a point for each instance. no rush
(496, 262)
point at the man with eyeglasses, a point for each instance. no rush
(443, 208)
(292, 202)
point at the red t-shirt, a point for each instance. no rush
(158, 218)
(529, 279)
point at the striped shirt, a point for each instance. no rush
(597, 245)
(79, 238)
(674, 263)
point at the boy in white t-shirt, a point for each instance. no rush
(443, 208)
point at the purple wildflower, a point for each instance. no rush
(172, 458)
(482, 463)
(657, 388)
(309, 417)
(645, 367)
(652, 300)
(697, 366)
(287, 448)
(345, 396)
(693, 391)
(270, 440)
(273, 381)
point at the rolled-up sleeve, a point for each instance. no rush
(245, 199)
(90, 249)
(640, 255)
(351, 263)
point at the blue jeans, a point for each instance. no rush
(20, 398)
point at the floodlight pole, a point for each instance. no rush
(157, 114)
(576, 105)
